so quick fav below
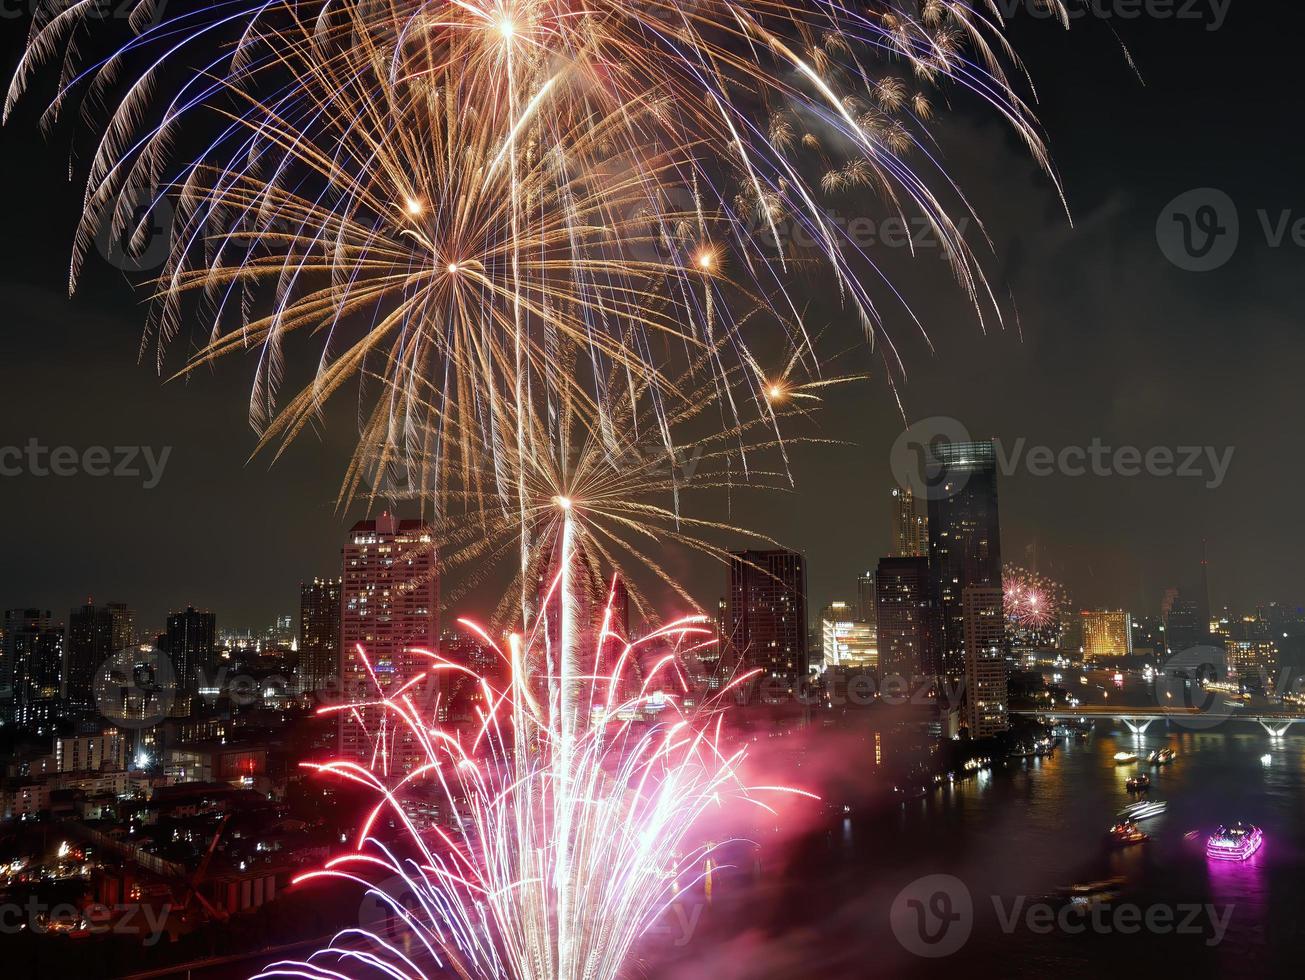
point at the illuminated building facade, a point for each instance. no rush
(389, 607)
(845, 641)
(1106, 633)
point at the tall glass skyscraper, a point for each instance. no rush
(964, 537)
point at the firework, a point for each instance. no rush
(569, 801)
(1036, 607)
(627, 486)
(443, 193)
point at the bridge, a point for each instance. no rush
(1138, 720)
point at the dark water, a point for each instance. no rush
(1027, 831)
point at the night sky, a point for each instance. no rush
(1113, 342)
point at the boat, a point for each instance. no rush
(1123, 757)
(1143, 809)
(1161, 757)
(1138, 783)
(1126, 832)
(1091, 892)
(1234, 842)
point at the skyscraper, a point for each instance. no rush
(964, 537)
(390, 605)
(319, 636)
(1183, 625)
(767, 621)
(906, 618)
(95, 633)
(985, 660)
(1106, 633)
(192, 639)
(33, 670)
(910, 526)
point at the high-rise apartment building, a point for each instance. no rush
(319, 636)
(767, 620)
(95, 634)
(33, 666)
(389, 607)
(964, 537)
(985, 695)
(192, 643)
(906, 618)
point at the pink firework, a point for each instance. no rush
(1034, 607)
(567, 807)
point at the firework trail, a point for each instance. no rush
(569, 800)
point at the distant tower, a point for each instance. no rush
(390, 603)
(865, 593)
(767, 621)
(1203, 595)
(964, 537)
(319, 635)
